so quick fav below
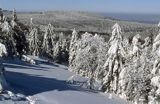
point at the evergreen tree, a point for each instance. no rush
(113, 65)
(33, 42)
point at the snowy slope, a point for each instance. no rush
(47, 84)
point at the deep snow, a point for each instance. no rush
(47, 83)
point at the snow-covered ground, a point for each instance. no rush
(46, 83)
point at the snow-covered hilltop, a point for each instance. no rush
(99, 69)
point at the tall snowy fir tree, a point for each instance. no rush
(3, 83)
(33, 42)
(72, 48)
(49, 41)
(113, 65)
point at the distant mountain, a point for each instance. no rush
(143, 18)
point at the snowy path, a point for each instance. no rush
(47, 83)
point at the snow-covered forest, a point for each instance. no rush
(126, 67)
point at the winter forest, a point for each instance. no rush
(128, 68)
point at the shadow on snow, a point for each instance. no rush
(32, 84)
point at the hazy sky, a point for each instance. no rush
(129, 6)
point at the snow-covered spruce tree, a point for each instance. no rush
(49, 39)
(61, 48)
(55, 45)
(3, 83)
(113, 65)
(14, 15)
(137, 78)
(13, 35)
(63, 41)
(19, 35)
(73, 49)
(48, 43)
(51, 44)
(14, 18)
(156, 52)
(155, 92)
(6, 26)
(88, 57)
(33, 42)
(7, 37)
(134, 81)
(64, 47)
(1, 16)
(126, 45)
(136, 46)
(31, 23)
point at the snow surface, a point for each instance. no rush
(46, 83)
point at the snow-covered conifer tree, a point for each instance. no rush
(113, 65)
(1, 16)
(136, 45)
(155, 92)
(14, 18)
(136, 86)
(8, 34)
(33, 42)
(31, 23)
(6, 26)
(50, 40)
(14, 15)
(3, 83)
(89, 54)
(73, 48)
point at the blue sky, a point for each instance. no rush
(125, 6)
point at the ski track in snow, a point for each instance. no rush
(47, 84)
